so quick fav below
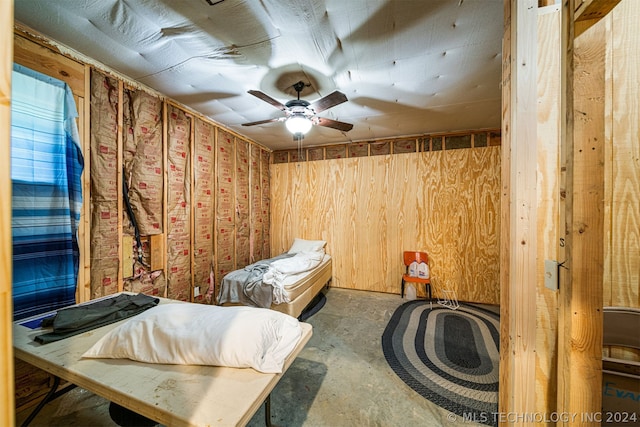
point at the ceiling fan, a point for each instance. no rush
(300, 115)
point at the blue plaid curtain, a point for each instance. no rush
(46, 165)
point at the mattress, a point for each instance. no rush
(295, 286)
(302, 291)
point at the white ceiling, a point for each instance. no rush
(407, 67)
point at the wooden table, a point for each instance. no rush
(173, 395)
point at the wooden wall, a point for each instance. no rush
(370, 209)
(7, 415)
(586, 203)
(622, 157)
(622, 162)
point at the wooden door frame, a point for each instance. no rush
(580, 297)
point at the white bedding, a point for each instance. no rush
(286, 271)
(198, 334)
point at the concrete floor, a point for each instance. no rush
(341, 377)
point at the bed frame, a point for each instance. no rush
(304, 291)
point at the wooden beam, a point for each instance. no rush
(44, 60)
(119, 182)
(567, 65)
(506, 362)
(550, 222)
(589, 12)
(7, 393)
(84, 229)
(519, 207)
(581, 294)
(165, 194)
(586, 10)
(192, 208)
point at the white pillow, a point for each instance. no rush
(300, 245)
(197, 334)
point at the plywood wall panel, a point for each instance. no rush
(622, 272)
(482, 250)
(336, 222)
(432, 216)
(370, 209)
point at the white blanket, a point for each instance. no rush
(286, 271)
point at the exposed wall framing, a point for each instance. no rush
(143, 162)
(105, 192)
(243, 249)
(178, 204)
(422, 143)
(225, 205)
(166, 154)
(204, 189)
(519, 210)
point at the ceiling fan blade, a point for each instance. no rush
(266, 98)
(331, 100)
(345, 127)
(261, 122)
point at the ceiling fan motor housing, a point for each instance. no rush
(299, 106)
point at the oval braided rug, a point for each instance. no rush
(450, 357)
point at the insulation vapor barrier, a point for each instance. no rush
(142, 158)
(104, 186)
(243, 249)
(179, 205)
(255, 195)
(225, 205)
(265, 160)
(203, 165)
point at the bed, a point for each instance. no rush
(287, 283)
(171, 394)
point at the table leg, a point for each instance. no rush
(267, 412)
(51, 395)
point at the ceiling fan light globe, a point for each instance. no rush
(298, 124)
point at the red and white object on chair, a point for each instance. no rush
(417, 272)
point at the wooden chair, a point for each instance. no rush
(414, 277)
